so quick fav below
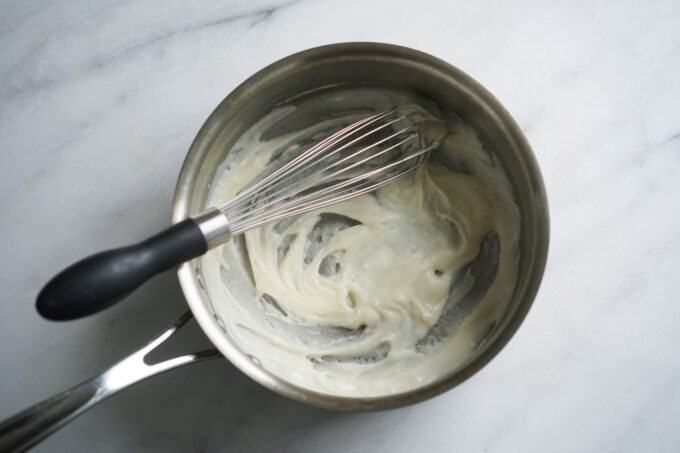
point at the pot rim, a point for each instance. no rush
(190, 284)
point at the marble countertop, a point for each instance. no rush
(100, 101)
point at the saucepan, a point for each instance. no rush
(348, 63)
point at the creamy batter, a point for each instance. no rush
(379, 294)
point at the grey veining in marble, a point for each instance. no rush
(99, 102)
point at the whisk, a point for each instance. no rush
(355, 160)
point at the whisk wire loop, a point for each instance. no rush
(355, 160)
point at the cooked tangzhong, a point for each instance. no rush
(380, 294)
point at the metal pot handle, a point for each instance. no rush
(32, 425)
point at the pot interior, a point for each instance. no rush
(362, 64)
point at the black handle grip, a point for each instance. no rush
(101, 280)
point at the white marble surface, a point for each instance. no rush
(99, 102)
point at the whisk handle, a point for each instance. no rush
(101, 280)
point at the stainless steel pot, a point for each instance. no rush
(350, 63)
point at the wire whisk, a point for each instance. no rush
(355, 160)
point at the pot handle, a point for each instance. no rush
(29, 427)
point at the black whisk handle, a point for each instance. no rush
(101, 280)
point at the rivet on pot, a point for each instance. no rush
(255, 360)
(220, 322)
(199, 277)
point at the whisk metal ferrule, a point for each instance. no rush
(214, 226)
